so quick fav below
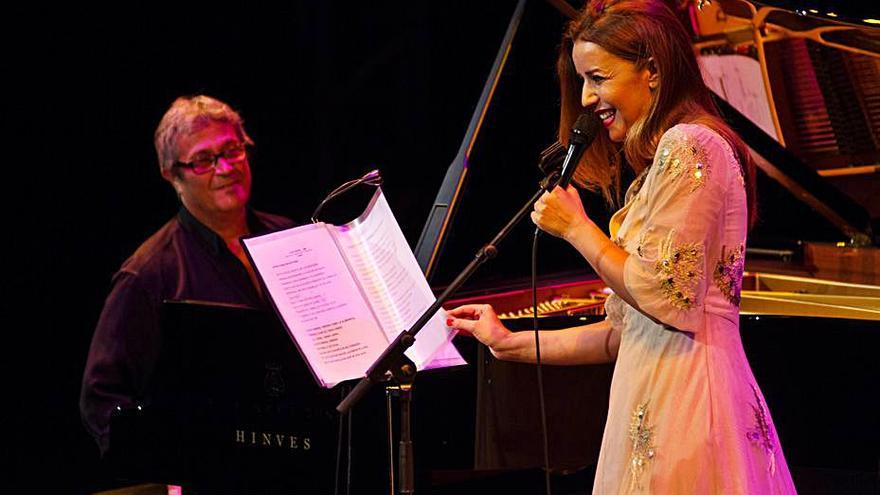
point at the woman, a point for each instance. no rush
(685, 413)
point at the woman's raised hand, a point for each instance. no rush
(560, 212)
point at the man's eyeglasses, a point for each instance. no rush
(205, 162)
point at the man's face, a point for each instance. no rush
(221, 192)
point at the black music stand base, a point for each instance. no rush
(405, 459)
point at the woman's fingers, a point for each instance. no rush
(462, 325)
(467, 311)
(460, 319)
(471, 318)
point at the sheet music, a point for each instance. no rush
(344, 293)
(388, 272)
(319, 301)
(738, 80)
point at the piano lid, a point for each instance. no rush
(496, 169)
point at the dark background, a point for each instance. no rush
(328, 91)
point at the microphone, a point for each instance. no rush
(583, 132)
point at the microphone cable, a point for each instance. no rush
(582, 134)
(544, 434)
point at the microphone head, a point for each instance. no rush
(582, 135)
(584, 130)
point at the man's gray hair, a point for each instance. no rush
(189, 114)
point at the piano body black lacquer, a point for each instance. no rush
(231, 408)
(810, 310)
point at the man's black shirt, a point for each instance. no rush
(184, 260)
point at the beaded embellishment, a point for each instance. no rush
(636, 186)
(680, 269)
(728, 273)
(680, 155)
(761, 435)
(641, 437)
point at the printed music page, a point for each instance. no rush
(318, 300)
(738, 79)
(389, 275)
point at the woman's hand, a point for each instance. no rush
(481, 321)
(560, 212)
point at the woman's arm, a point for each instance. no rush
(588, 344)
(561, 213)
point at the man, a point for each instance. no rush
(202, 149)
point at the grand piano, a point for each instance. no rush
(810, 314)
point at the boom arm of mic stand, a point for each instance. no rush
(393, 359)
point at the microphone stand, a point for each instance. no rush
(402, 370)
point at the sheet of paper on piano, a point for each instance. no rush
(738, 80)
(345, 292)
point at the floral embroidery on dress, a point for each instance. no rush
(680, 269)
(635, 188)
(701, 170)
(728, 273)
(641, 437)
(762, 435)
(643, 238)
(679, 154)
(664, 155)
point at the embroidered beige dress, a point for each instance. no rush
(685, 414)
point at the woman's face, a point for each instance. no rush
(614, 88)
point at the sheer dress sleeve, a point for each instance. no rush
(684, 195)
